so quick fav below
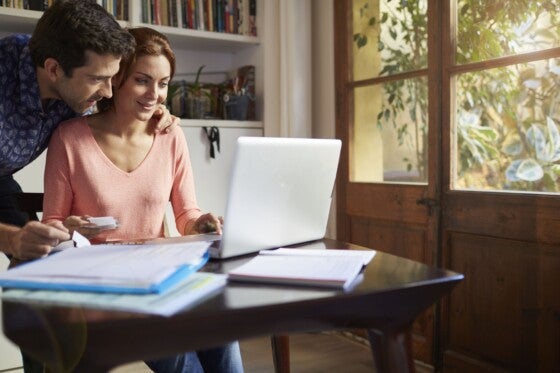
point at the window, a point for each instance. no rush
(390, 95)
(506, 79)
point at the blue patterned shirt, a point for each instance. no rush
(25, 127)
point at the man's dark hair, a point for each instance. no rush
(69, 28)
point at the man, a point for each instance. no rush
(59, 72)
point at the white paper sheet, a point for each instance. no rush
(366, 255)
(123, 265)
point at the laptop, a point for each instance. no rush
(280, 194)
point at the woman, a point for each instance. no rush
(113, 163)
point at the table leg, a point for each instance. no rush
(281, 353)
(392, 350)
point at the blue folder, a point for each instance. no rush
(181, 273)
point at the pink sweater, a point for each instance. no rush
(81, 180)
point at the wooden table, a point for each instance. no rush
(393, 293)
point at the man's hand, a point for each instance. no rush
(163, 120)
(36, 239)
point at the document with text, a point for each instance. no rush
(325, 268)
(111, 268)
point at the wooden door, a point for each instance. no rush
(500, 214)
(387, 202)
(487, 204)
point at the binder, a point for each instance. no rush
(114, 268)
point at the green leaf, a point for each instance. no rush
(362, 41)
(511, 171)
(196, 81)
(512, 146)
(536, 138)
(530, 170)
(387, 114)
(384, 17)
(553, 140)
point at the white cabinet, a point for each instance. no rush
(212, 175)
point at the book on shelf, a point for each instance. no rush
(228, 16)
(252, 17)
(118, 8)
(28, 4)
(314, 267)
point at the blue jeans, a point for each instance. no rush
(224, 359)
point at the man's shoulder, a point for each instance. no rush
(11, 50)
(15, 41)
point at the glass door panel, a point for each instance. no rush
(389, 69)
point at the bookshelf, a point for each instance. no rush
(221, 53)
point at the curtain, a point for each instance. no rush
(295, 77)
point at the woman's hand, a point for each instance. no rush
(208, 223)
(82, 225)
(163, 120)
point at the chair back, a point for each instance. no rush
(30, 203)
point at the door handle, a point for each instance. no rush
(430, 203)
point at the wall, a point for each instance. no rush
(323, 87)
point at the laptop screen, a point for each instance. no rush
(279, 194)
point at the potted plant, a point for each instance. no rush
(199, 99)
(175, 99)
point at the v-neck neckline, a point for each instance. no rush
(110, 162)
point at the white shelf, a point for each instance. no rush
(183, 38)
(23, 21)
(221, 123)
(18, 20)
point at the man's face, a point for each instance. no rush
(89, 83)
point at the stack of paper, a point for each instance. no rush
(187, 293)
(325, 268)
(137, 269)
(158, 278)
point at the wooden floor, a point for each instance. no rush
(309, 353)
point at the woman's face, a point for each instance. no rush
(145, 88)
